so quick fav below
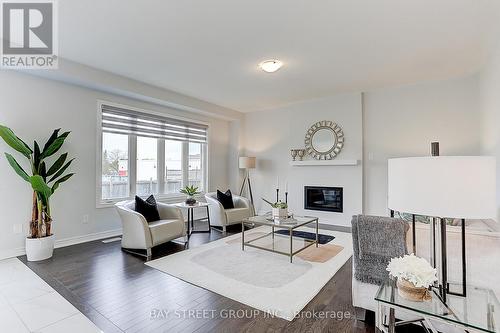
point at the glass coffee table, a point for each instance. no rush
(478, 312)
(286, 244)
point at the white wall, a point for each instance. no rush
(33, 107)
(270, 134)
(490, 111)
(393, 122)
(403, 121)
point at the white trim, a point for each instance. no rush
(324, 162)
(208, 149)
(87, 238)
(132, 165)
(160, 163)
(185, 164)
(170, 198)
(98, 161)
(20, 251)
(11, 253)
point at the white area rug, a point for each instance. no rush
(260, 279)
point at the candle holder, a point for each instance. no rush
(301, 153)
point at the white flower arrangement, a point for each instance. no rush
(413, 269)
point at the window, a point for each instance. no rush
(115, 181)
(144, 153)
(173, 166)
(195, 170)
(147, 166)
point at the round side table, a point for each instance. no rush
(190, 217)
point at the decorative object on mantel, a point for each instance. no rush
(190, 191)
(297, 152)
(415, 275)
(247, 163)
(324, 140)
(301, 153)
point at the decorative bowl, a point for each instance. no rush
(407, 290)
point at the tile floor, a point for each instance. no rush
(28, 304)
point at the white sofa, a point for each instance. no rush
(223, 217)
(138, 234)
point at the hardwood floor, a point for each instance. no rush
(119, 294)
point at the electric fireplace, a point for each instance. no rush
(329, 199)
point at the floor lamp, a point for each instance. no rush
(459, 187)
(247, 163)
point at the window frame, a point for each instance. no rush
(132, 160)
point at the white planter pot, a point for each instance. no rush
(39, 248)
(280, 213)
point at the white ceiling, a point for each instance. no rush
(210, 49)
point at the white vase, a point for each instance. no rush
(39, 248)
(280, 213)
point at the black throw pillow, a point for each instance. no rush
(147, 208)
(226, 199)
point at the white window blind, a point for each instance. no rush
(124, 121)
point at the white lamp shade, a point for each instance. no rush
(247, 162)
(443, 186)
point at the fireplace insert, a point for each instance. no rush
(329, 199)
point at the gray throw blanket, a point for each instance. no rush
(376, 239)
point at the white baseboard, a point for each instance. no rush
(87, 238)
(20, 251)
(11, 253)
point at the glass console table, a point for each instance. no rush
(478, 312)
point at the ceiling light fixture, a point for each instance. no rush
(270, 66)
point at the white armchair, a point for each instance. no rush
(138, 234)
(223, 217)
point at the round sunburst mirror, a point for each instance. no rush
(324, 140)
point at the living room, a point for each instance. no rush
(278, 103)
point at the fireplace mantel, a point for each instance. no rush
(324, 163)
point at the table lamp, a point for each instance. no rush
(440, 187)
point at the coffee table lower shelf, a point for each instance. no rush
(287, 245)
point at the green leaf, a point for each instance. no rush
(55, 145)
(52, 138)
(42, 170)
(17, 168)
(36, 155)
(61, 180)
(60, 172)
(39, 186)
(270, 203)
(13, 141)
(57, 164)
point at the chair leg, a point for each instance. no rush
(223, 230)
(148, 254)
(360, 313)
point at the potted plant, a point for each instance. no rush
(190, 191)
(44, 181)
(414, 277)
(279, 209)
